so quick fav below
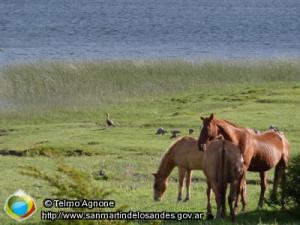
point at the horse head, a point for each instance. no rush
(159, 187)
(210, 130)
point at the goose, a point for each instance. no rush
(109, 122)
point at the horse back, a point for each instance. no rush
(186, 154)
(275, 139)
(268, 149)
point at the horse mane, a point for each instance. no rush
(249, 130)
(230, 123)
(225, 132)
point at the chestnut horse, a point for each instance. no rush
(222, 164)
(261, 152)
(183, 154)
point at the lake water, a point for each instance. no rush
(115, 29)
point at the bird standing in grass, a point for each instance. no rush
(109, 122)
(102, 172)
(272, 127)
(161, 131)
(174, 133)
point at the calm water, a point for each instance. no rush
(191, 29)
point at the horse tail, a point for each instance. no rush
(223, 177)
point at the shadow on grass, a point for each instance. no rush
(257, 181)
(269, 217)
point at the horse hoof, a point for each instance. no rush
(243, 209)
(259, 207)
(209, 216)
(186, 199)
(236, 209)
(274, 198)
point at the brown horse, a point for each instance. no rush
(261, 152)
(222, 164)
(183, 154)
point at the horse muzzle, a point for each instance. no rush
(157, 199)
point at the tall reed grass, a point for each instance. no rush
(95, 83)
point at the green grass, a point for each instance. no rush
(61, 107)
(82, 85)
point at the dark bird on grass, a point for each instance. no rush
(102, 172)
(161, 131)
(191, 131)
(274, 128)
(109, 122)
(174, 133)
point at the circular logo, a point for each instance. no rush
(20, 206)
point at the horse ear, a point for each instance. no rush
(202, 118)
(211, 116)
(154, 174)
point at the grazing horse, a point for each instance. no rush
(261, 152)
(222, 164)
(183, 154)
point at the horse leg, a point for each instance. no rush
(244, 194)
(223, 202)
(188, 180)
(283, 177)
(208, 194)
(234, 193)
(263, 186)
(236, 203)
(278, 176)
(215, 188)
(242, 190)
(181, 172)
(276, 182)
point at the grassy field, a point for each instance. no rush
(60, 107)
